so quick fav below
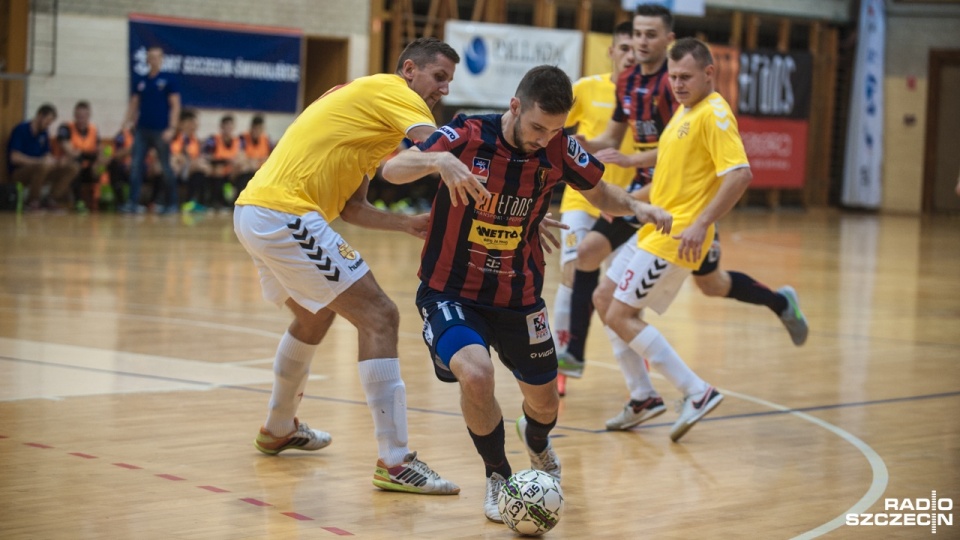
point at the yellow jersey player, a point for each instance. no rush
(319, 171)
(594, 101)
(701, 172)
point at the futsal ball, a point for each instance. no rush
(530, 502)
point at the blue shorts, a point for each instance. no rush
(521, 337)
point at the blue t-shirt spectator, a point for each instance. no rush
(154, 94)
(23, 140)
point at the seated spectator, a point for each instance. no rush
(80, 141)
(255, 147)
(223, 151)
(189, 165)
(31, 163)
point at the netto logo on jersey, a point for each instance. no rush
(476, 55)
(496, 237)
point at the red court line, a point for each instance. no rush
(214, 489)
(81, 454)
(255, 502)
(295, 515)
(169, 477)
(336, 531)
(3, 437)
(37, 445)
(127, 466)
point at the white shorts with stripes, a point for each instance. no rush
(298, 257)
(580, 224)
(645, 280)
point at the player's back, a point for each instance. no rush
(321, 159)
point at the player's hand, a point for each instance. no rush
(418, 225)
(462, 184)
(546, 235)
(167, 135)
(691, 242)
(658, 217)
(612, 156)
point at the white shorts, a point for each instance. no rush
(580, 224)
(298, 257)
(645, 280)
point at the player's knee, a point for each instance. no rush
(709, 285)
(476, 379)
(601, 301)
(387, 314)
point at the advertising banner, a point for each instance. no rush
(494, 57)
(222, 66)
(773, 108)
(863, 161)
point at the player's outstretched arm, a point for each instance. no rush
(611, 137)
(612, 156)
(358, 211)
(412, 164)
(614, 201)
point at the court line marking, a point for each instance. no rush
(879, 470)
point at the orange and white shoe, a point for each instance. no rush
(302, 438)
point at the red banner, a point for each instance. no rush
(777, 149)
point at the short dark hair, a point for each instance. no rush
(656, 10)
(226, 118)
(694, 47)
(46, 110)
(424, 51)
(547, 86)
(187, 114)
(625, 27)
(82, 104)
(257, 120)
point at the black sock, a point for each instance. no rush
(581, 309)
(490, 448)
(538, 435)
(746, 289)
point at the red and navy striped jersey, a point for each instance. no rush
(647, 102)
(491, 253)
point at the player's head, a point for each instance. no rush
(427, 64)
(81, 113)
(188, 121)
(621, 50)
(652, 33)
(46, 114)
(691, 71)
(155, 58)
(256, 124)
(539, 108)
(227, 123)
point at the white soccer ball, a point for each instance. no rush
(530, 502)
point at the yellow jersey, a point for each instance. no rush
(697, 147)
(323, 156)
(594, 101)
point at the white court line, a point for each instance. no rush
(880, 474)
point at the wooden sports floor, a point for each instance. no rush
(135, 368)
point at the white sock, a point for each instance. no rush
(387, 399)
(291, 367)
(631, 365)
(561, 317)
(654, 347)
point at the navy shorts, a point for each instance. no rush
(521, 337)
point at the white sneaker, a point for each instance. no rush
(637, 412)
(490, 509)
(793, 318)
(546, 461)
(693, 408)
(412, 476)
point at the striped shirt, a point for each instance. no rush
(492, 253)
(647, 103)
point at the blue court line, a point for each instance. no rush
(458, 413)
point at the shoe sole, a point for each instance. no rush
(570, 373)
(654, 413)
(389, 485)
(269, 452)
(683, 429)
